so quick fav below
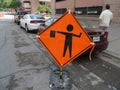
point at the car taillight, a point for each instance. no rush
(106, 35)
(18, 17)
(41, 21)
(35, 21)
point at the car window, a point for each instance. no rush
(25, 17)
(55, 19)
(50, 21)
(21, 13)
(36, 17)
(86, 24)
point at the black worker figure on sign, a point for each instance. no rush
(68, 38)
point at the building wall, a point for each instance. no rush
(53, 5)
(69, 4)
(34, 5)
(82, 3)
(115, 7)
(26, 4)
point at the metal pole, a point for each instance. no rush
(74, 6)
(60, 79)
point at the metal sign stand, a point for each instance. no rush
(60, 80)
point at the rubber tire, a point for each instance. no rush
(26, 28)
(20, 25)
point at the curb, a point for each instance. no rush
(110, 57)
(114, 55)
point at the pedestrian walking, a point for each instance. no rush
(105, 18)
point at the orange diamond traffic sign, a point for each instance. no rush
(65, 39)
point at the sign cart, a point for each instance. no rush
(65, 40)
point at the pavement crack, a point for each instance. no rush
(12, 83)
(30, 58)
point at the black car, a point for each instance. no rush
(18, 16)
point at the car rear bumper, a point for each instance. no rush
(98, 48)
(33, 26)
(101, 46)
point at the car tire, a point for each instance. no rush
(14, 21)
(20, 25)
(26, 28)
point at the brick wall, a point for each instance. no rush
(83, 3)
(34, 4)
(115, 6)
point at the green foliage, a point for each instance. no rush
(10, 4)
(15, 4)
(1, 9)
(43, 8)
(48, 9)
(5, 3)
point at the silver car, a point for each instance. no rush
(49, 21)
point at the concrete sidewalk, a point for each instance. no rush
(114, 40)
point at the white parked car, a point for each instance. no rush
(31, 22)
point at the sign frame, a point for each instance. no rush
(71, 59)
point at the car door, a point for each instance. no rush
(24, 20)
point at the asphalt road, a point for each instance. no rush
(25, 64)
